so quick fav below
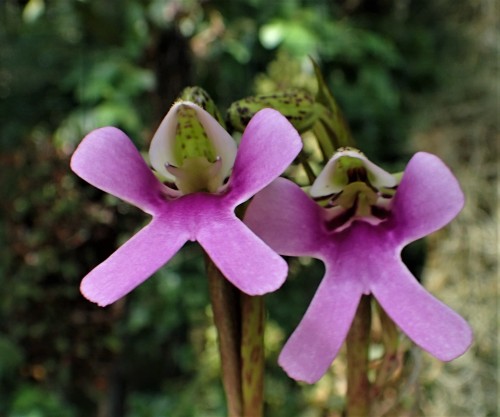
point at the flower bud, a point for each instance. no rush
(297, 106)
(199, 96)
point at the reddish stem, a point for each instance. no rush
(358, 342)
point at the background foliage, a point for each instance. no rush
(67, 67)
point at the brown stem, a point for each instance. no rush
(358, 341)
(392, 360)
(226, 309)
(252, 355)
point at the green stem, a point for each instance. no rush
(252, 355)
(303, 159)
(324, 142)
(226, 310)
(358, 341)
(339, 132)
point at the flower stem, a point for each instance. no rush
(226, 309)
(391, 363)
(324, 142)
(252, 355)
(358, 341)
(307, 167)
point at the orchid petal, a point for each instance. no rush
(316, 341)
(268, 146)
(107, 159)
(133, 262)
(427, 321)
(241, 256)
(428, 198)
(161, 151)
(284, 217)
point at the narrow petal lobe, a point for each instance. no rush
(242, 257)
(315, 343)
(133, 262)
(431, 324)
(427, 199)
(268, 146)
(107, 159)
(286, 219)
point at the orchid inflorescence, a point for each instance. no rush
(355, 217)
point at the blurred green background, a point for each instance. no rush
(409, 75)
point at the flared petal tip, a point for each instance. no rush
(298, 372)
(99, 135)
(270, 280)
(95, 295)
(267, 287)
(457, 347)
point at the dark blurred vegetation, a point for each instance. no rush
(67, 67)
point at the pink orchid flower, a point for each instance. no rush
(107, 159)
(363, 257)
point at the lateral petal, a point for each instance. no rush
(431, 324)
(268, 146)
(241, 256)
(107, 159)
(134, 262)
(428, 198)
(284, 217)
(316, 341)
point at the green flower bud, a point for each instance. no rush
(199, 96)
(297, 106)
